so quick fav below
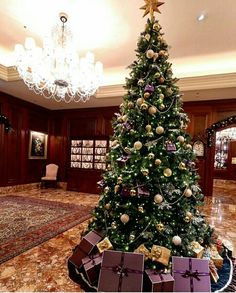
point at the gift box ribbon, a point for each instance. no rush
(122, 271)
(191, 274)
(161, 277)
(91, 258)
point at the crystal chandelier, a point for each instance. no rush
(56, 71)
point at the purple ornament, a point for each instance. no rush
(127, 126)
(125, 192)
(142, 191)
(149, 88)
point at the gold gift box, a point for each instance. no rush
(105, 244)
(160, 254)
(142, 249)
(197, 249)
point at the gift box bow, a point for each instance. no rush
(155, 253)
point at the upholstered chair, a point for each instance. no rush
(50, 177)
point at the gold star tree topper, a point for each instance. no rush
(151, 6)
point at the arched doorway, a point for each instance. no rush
(221, 157)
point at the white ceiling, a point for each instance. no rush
(200, 52)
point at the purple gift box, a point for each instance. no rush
(121, 272)
(85, 247)
(191, 274)
(92, 266)
(149, 88)
(157, 281)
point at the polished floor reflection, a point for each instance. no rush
(44, 268)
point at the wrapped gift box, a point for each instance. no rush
(92, 266)
(191, 274)
(158, 282)
(121, 272)
(85, 247)
(160, 254)
(213, 272)
(217, 259)
(197, 249)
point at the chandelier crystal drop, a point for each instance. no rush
(56, 71)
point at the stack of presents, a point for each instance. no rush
(107, 270)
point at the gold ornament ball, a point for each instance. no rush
(124, 218)
(146, 95)
(144, 106)
(180, 138)
(151, 156)
(182, 166)
(157, 75)
(188, 192)
(157, 162)
(145, 172)
(139, 101)
(176, 240)
(189, 146)
(113, 225)
(131, 237)
(141, 82)
(187, 219)
(140, 209)
(147, 37)
(152, 110)
(161, 96)
(162, 107)
(158, 198)
(161, 79)
(162, 52)
(132, 192)
(156, 26)
(160, 227)
(130, 105)
(189, 214)
(116, 189)
(159, 130)
(119, 180)
(155, 56)
(167, 172)
(148, 127)
(107, 206)
(106, 189)
(138, 145)
(149, 53)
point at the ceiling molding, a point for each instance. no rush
(8, 73)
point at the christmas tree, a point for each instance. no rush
(149, 192)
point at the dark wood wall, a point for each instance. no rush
(16, 168)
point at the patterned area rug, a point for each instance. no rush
(26, 222)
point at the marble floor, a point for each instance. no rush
(44, 268)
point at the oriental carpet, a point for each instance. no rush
(26, 222)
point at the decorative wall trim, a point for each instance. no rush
(8, 73)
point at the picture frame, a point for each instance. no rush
(38, 142)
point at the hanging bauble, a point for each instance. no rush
(161, 79)
(119, 180)
(181, 139)
(132, 192)
(113, 225)
(140, 82)
(149, 53)
(140, 209)
(144, 106)
(130, 105)
(147, 37)
(162, 107)
(152, 110)
(148, 127)
(124, 218)
(124, 118)
(138, 145)
(189, 214)
(160, 38)
(145, 172)
(139, 101)
(146, 95)
(158, 198)
(176, 240)
(189, 146)
(151, 156)
(157, 75)
(150, 134)
(169, 91)
(155, 56)
(188, 192)
(107, 206)
(157, 162)
(106, 189)
(162, 52)
(167, 172)
(149, 88)
(160, 227)
(187, 219)
(156, 26)
(161, 96)
(131, 237)
(159, 130)
(116, 188)
(182, 166)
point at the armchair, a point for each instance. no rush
(50, 177)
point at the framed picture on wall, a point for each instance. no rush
(38, 145)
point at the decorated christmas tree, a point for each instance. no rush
(149, 192)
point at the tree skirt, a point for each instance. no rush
(26, 222)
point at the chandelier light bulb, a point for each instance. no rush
(56, 71)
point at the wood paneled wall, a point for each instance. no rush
(16, 168)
